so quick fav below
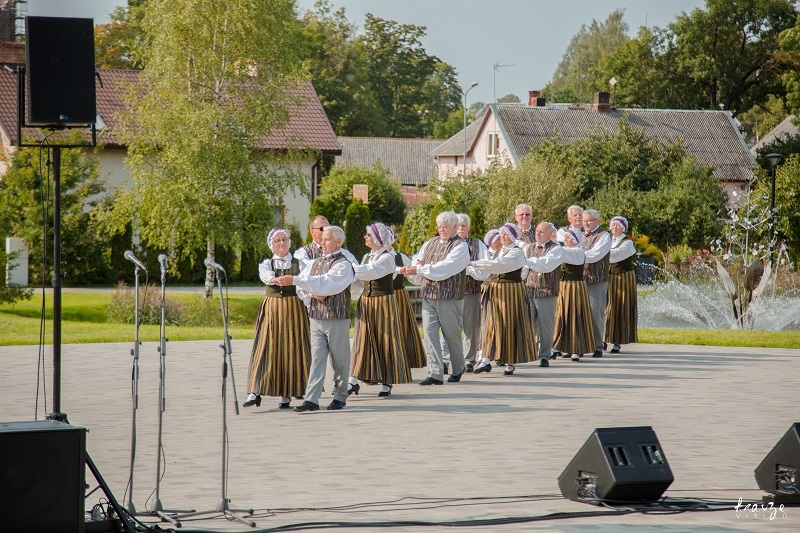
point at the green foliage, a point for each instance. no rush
(123, 304)
(27, 195)
(478, 227)
(10, 293)
(572, 81)
(452, 125)
(385, 204)
(787, 198)
(356, 220)
(200, 175)
(120, 43)
(415, 230)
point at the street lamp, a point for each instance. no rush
(472, 86)
(773, 159)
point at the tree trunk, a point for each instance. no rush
(209, 285)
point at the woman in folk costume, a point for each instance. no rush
(281, 349)
(509, 328)
(493, 245)
(378, 354)
(622, 312)
(407, 320)
(574, 334)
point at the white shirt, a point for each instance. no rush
(334, 281)
(550, 261)
(302, 256)
(509, 259)
(456, 261)
(600, 248)
(562, 232)
(621, 249)
(573, 256)
(483, 253)
(267, 267)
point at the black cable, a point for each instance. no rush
(44, 196)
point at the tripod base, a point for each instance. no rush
(224, 508)
(168, 515)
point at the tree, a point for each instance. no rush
(120, 43)
(510, 98)
(572, 80)
(356, 219)
(27, 201)
(218, 78)
(385, 199)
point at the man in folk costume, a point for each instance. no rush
(597, 246)
(543, 259)
(472, 294)
(523, 214)
(327, 280)
(439, 267)
(575, 218)
(313, 250)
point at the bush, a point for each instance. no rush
(123, 304)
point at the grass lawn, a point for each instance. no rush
(84, 321)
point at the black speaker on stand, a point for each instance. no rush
(617, 465)
(777, 473)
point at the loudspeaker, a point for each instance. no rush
(59, 72)
(777, 473)
(42, 477)
(617, 465)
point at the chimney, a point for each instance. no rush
(12, 53)
(535, 99)
(601, 102)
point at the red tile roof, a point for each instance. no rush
(308, 125)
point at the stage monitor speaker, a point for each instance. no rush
(59, 72)
(777, 473)
(617, 465)
(42, 477)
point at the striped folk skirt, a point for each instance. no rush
(378, 355)
(281, 349)
(573, 331)
(622, 312)
(509, 331)
(413, 349)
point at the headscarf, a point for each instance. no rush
(512, 230)
(381, 234)
(273, 232)
(622, 222)
(491, 236)
(571, 232)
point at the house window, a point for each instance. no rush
(493, 144)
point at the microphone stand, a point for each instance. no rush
(134, 388)
(224, 503)
(158, 508)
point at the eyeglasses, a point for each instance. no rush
(524, 215)
(280, 240)
(589, 219)
(318, 229)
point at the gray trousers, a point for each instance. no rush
(446, 315)
(543, 311)
(472, 329)
(598, 298)
(329, 336)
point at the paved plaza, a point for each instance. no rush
(488, 448)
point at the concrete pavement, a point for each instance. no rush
(488, 448)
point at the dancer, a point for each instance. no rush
(409, 332)
(622, 314)
(509, 338)
(281, 350)
(377, 347)
(597, 246)
(573, 330)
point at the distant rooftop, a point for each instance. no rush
(409, 161)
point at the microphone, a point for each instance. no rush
(162, 259)
(210, 263)
(130, 257)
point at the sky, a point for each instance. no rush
(530, 36)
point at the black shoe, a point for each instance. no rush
(354, 389)
(446, 369)
(256, 402)
(470, 368)
(455, 378)
(306, 406)
(556, 354)
(598, 353)
(284, 405)
(385, 393)
(430, 381)
(605, 346)
(544, 362)
(509, 372)
(615, 349)
(335, 405)
(485, 368)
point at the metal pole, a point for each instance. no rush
(472, 86)
(56, 282)
(772, 210)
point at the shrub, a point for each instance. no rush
(122, 306)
